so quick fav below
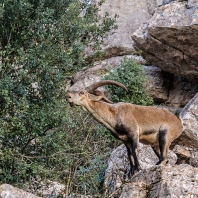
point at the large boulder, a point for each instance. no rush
(158, 83)
(163, 181)
(189, 116)
(169, 39)
(50, 189)
(131, 15)
(173, 90)
(8, 191)
(118, 165)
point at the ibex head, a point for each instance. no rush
(90, 93)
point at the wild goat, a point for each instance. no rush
(130, 123)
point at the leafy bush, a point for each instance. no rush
(74, 154)
(41, 44)
(90, 145)
(131, 74)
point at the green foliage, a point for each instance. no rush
(41, 43)
(89, 147)
(74, 154)
(131, 74)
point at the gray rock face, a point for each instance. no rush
(192, 3)
(163, 181)
(164, 87)
(8, 191)
(50, 189)
(169, 39)
(158, 83)
(181, 91)
(186, 155)
(131, 15)
(118, 165)
(189, 116)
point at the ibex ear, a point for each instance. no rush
(99, 93)
(95, 98)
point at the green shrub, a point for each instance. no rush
(41, 44)
(75, 154)
(132, 75)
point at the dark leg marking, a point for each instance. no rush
(135, 167)
(149, 132)
(129, 156)
(131, 145)
(131, 171)
(121, 129)
(158, 154)
(134, 150)
(162, 145)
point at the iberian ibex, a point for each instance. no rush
(130, 123)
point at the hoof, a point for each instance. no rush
(162, 163)
(133, 171)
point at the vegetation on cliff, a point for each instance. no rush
(132, 75)
(42, 43)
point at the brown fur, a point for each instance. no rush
(132, 124)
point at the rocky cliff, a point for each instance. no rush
(166, 37)
(179, 178)
(131, 15)
(169, 39)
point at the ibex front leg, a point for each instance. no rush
(131, 146)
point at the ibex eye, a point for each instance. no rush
(81, 92)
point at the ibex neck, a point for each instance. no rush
(97, 107)
(104, 113)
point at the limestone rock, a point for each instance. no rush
(163, 2)
(51, 189)
(46, 188)
(118, 165)
(192, 3)
(164, 87)
(158, 83)
(131, 15)
(8, 191)
(181, 91)
(189, 116)
(74, 195)
(163, 181)
(169, 39)
(186, 155)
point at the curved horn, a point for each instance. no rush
(94, 86)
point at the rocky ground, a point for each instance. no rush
(178, 179)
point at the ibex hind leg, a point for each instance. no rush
(163, 147)
(156, 151)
